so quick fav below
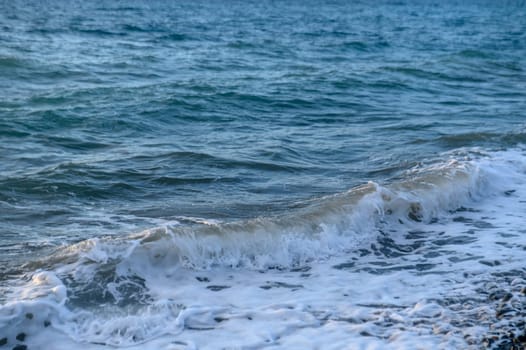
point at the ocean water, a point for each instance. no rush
(262, 174)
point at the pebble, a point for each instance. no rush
(20, 347)
(21, 336)
(3, 341)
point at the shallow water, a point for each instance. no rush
(261, 174)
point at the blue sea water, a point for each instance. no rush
(248, 138)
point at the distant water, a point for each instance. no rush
(262, 174)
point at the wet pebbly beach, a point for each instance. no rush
(507, 330)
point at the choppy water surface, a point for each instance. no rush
(242, 174)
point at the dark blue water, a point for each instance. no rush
(232, 109)
(118, 116)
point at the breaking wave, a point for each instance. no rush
(315, 230)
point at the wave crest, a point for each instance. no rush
(319, 228)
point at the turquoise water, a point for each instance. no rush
(120, 117)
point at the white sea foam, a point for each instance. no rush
(409, 264)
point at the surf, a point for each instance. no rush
(108, 290)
